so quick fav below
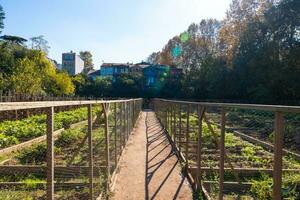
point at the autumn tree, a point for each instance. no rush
(153, 58)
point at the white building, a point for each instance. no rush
(72, 63)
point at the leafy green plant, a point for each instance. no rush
(31, 183)
(7, 140)
(13, 132)
(68, 137)
(34, 155)
(262, 188)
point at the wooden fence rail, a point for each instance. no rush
(167, 112)
(123, 113)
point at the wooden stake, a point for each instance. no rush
(90, 146)
(222, 153)
(277, 176)
(50, 153)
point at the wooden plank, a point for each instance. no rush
(45, 104)
(41, 169)
(28, 143)
(275, 108)
(242, 171)
(228, 187)
(265, 145)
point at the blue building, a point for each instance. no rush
(114, 69)
(157, 76)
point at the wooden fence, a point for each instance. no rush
(175, 116)
(118, 118)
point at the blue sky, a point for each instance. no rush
(113, 30)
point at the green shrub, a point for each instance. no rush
(36, 154)
(31, 183)
(13, 132)
(68, 137)
(262, 189)
(6, 141)
(22, 130)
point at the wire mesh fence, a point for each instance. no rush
(236, 151)
(66, 155)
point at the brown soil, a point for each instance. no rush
(149, 169)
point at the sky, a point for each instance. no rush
(113, 30)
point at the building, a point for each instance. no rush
(114, 69)
(138, 68)
(156, 75)
(94, 74)
(72, 63)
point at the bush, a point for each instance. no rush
(23, 129)
(34, 155)
(6, 141)
(11, 132)
(67, 137)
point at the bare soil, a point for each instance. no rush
(149, 169)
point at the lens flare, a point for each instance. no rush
(176, 51)
(184, 37)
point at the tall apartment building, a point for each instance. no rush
(72, 63)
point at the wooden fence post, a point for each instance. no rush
(50, 153)
(133, 113)
(120, 128)
(222, 153)
(121, 125)
(277, 176)
(200, 112)
(187, 134)
(180, 127)
(126, 120)
(115, 133)
(171, 122)
(90, 146)
(105, 107)
(174, 124)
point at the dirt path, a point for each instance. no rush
(149, 169)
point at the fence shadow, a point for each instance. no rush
(158, 154)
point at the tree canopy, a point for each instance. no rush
(251, 55)
(13, 39)
(87, 57)
(40, 43)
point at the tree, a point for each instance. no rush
(2, 17)
(87, 57)
(62, 84)
(39, 43)
(13, 39)
(25, 78)
(153, 58)
(240, 13)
